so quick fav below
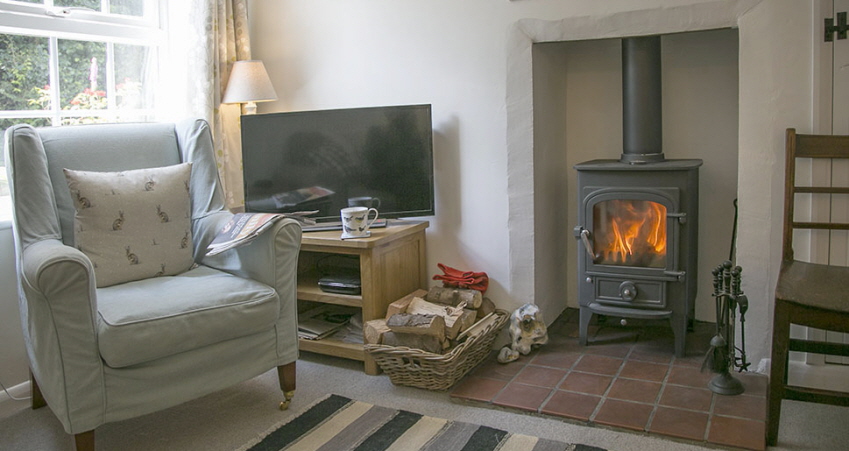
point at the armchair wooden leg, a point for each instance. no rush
(38, 400)
(286, 377)
(84, 441)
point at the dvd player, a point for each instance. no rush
(340, 284)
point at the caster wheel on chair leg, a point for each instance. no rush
(284, 405)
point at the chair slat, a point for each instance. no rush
(821, 189)
(819, 347)
(820, 225)
(806, 394)
(822, 146)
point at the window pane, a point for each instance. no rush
(82, 75)
(131, 80)
(92, 4)
(23, 73)
(127, 7)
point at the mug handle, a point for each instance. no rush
(369, 223)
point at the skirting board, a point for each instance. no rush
(9, 406)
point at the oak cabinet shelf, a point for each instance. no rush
(391, 264)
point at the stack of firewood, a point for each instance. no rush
(433, 321)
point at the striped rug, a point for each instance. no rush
(336, 423)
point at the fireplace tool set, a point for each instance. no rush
(724, 355)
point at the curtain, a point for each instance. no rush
(215, 38)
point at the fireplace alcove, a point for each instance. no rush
(577, 116)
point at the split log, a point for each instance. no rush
(456, 320)
(487, 307)
(427, 343)
(417, 324)
(454, 296)
(374, 330)
(400, 306)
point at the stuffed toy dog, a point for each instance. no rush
(527, 330)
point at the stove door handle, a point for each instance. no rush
(588, 245)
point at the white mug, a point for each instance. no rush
(355, 222)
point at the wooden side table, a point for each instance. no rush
(391, 264)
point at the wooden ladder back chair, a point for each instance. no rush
(807, 294)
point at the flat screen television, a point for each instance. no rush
(318, 160)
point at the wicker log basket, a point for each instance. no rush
(417, 368)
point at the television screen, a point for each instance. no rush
(318, 160)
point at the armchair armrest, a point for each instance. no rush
(272, 258)
(61, 331)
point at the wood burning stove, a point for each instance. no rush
(638, 216)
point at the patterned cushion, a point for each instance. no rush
(133, 224)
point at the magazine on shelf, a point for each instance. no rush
(245, 227)
(324, 320)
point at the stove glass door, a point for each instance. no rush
(630, 232)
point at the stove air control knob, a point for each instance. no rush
(628, 291)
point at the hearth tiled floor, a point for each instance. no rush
(628, 377)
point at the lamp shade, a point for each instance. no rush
(249, 82)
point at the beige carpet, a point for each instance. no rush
(231, 418)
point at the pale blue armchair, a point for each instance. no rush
(106, 353)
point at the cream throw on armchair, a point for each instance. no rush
(106, 354)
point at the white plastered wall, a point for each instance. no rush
(465, 58)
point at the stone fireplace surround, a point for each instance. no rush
(773, 94)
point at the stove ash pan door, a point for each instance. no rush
(630, 244)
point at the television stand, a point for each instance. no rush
(337, 225)
(391, 264)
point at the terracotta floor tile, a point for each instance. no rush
(690, 360)
(754, 383)
(634, 390)
(689, 376)
(556, 359)
(743, 406)
(521, 396)
(644, 355)
(571, 405)
(612, 336)
(737, 432)
(598, 364)
(686, 397)
(611, 350)
(540, 376)
(491, 369)
(624, 414)
(478, 388)
(680, 423)
(644, 370)
(660, 345)
(617, 380)
(592, 384)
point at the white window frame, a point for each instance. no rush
(54, 23)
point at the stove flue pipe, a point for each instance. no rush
(642, 127)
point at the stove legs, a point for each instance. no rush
(583, 325)
(678, 321)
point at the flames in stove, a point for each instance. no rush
(630, 233)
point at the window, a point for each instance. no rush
(76, 61)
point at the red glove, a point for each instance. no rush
(462, 279)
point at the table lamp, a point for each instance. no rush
(249, 83)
